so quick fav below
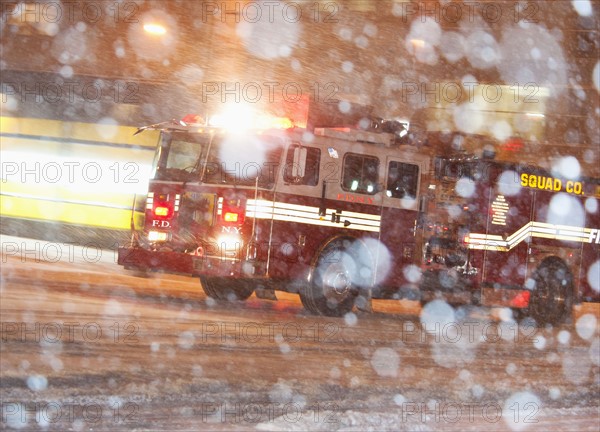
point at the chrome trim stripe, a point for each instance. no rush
(280, 211)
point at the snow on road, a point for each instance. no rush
(87, 345)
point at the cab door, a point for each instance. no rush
(401, 232)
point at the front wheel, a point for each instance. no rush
(333, 286)
(229, 289)
(552, 297)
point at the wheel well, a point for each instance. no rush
(557, 262)
(553, 260)
(552, 299)
(329, 242)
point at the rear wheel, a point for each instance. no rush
(332, 289)
(229, 289)
(552, 297)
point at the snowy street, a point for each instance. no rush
(87, 345)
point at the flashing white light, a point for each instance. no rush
(229, 245)
(155, 29)
(418, 43)
(236, 118)
(157, 236)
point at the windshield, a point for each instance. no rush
(239, 160)
(183, 155)
(243, 160)
(178, 156)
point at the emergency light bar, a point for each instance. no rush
(257, 123)
(241, 117)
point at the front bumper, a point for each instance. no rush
(177, 262)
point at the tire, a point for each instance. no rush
(226, 289)
(552, 297)
(332, 288)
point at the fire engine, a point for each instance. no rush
(345, 215)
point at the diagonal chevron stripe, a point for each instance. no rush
(529, 230)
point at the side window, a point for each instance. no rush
(402, 180)
(360, 173)
(302, 165)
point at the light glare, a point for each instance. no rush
(156, 29)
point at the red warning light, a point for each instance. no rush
(513, 144)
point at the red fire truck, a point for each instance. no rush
(344, 215)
